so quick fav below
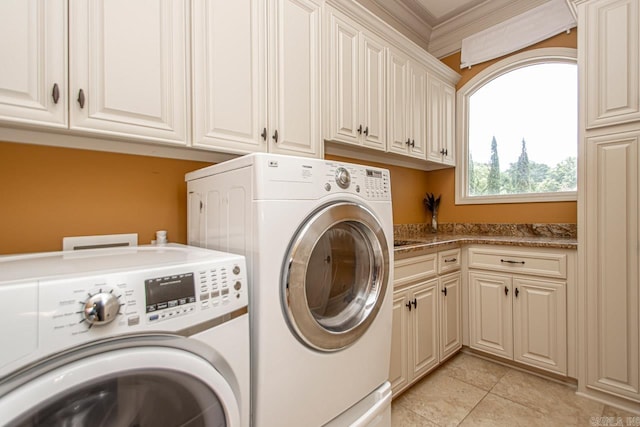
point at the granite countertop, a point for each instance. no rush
(415, 242)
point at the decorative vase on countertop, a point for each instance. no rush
(434, 222)
(432, 204)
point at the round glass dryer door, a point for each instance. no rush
(137, 387)
(335, 276)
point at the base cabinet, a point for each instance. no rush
(519, 317)
(427, 327)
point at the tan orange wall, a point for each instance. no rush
(47, 193)
(443, 181)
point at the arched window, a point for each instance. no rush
(518, 130)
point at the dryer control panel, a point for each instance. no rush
(368, 182)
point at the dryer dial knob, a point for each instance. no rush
(101, 308)
(343, 178)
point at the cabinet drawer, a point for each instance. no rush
(448, 261)
(415, 268)
(515, 261)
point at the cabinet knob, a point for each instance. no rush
(413, 143)
(366, 131)
(275, 136)
(81, 98)
(408, 142)
(517, 292)
(506, 290)
(264, 134)
(415, 303)
(55, 93)
(444, 291)
(360, 130)
(408, 305)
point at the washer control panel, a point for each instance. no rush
(166, 299)
(368, 182)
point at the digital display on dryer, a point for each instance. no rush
(169, 291)
(374, 174)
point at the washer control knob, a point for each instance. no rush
(327, 186)
(101, 308)
(236, 270)
(343, 178)
(357, 188)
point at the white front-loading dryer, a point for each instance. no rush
(318, 239)
(141, 336)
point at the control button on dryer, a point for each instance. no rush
(133, 320)
(327, 186)
(237, 285)
(236, 270)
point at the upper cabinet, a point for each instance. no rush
(356, 95)
(407, 105)
(128, 68)
(33, 78)
(229, 75)
(375, 77)
(612, 62)
(441, 97)
(256, 76)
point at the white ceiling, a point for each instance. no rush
(435, 12)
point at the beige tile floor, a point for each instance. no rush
(470, 391)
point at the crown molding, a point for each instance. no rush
(446, 38)
(397, 15)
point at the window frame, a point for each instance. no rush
(511, 63)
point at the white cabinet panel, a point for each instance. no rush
(372, 88)
(294, 70)
(540, 323)
(440, 121)
(613, 263)
(450, 314)
(229, 74)
(399, 368)
(490, 313)
(424, 328)
(398, 104)
(129, 67)
(612, 59)
(34, 48)
(357, 77)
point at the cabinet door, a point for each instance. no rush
(344, 118)
(372, 92)
(490, 313)
(612, 61)
(398, 140)
(34, 52)
(129, 67)
(450, 315)
(612, 263)
(294, 83)
(424, 328)
(540, 324)
(229, 75)
(399, 367)
(448, 122)
(417, 98)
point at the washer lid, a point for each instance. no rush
(76, 263)
(139, 386)
(335, 276)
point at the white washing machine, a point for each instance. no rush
(137, 336)
(318, 239)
